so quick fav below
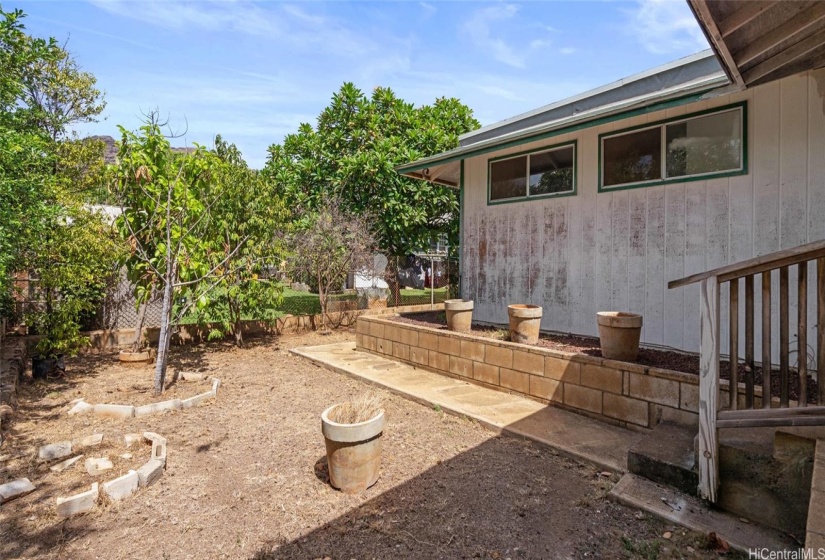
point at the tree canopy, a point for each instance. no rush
(352, 153)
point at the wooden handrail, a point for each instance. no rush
(764, 263)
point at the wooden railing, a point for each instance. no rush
(770, 412)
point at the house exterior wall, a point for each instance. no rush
(577, 255)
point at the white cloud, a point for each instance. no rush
(429, 9)
(567, 50)
(479, 28)
(664, 26)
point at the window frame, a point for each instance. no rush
(742, 107)
(527, 196)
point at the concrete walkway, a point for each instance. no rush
(573, 434)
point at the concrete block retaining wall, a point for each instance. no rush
(629, 394)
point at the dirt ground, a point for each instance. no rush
(246, 476)
(664, 359)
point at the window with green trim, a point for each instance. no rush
(692, 147)
(548, 172)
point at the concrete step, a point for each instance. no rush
(815, 531)
(688, 511)
(667, 455)
(765, 475)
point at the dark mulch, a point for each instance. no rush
(663, 359)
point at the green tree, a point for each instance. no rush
(247, 207)
(168, 215)
(352, 154)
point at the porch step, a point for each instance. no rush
(688, 511)
(815, 531)
(667, 455)
(765, 475)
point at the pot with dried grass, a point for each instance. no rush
(352, 432)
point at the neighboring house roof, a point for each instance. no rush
(763, 41)
(675, 83)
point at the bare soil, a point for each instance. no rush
(663, 359)
(246, 477)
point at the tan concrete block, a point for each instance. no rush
(369, 343)
(401, 351)
(428, 341)
(419, 356)
(659, 414)
(486, 373)
(392, 333)
(583, 398)
(515, 380)
(383, 346)
(546, 388)
(528, 362)
(813, 540)
(598, 377)
(498, 356)
(689, 397)
(626, 409)
(361, 327)
(460, 366)
(562, 370)
(359, 340)
(654, 389)
(409, 336)
(439, 361)
(449, 345)
(376, 329)
(471, 350)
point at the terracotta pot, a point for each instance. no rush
(525, 322)
(129, 357)
(459, 314)
(619, 333)
(353, 452)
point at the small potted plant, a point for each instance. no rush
(459, 314)
(352, 432)
(525, 322)
(619, 333)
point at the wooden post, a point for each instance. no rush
(766, 339)
(749, 341)
(820, 329)
(733, 361)
(708, 389)
(802, 333)
(784, 347)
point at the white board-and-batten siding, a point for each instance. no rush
(576, 255)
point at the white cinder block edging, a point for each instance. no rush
(128, 411)
(122, 487)
(79, 503)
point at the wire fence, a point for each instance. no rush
(411, 281)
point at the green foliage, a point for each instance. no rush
(246, 208)
(352, 153)
(76, 258)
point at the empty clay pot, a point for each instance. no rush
(459, 314)
(619, 333)
(525, 322)
(140, 357)
(353, 452)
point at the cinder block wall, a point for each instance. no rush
(624, 393)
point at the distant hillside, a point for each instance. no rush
(111, 148)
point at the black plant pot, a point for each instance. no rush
(43, 368)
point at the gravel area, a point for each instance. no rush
(664, 359)
(246, 477)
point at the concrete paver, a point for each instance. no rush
(573, 434)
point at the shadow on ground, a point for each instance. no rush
(506, 498)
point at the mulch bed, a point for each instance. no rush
(663, 359)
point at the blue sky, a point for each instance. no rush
(252, 71)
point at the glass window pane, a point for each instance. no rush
(705, 145)
(634, 157)
(551, 172)
(508, 178)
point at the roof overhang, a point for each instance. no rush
(760, 41)
(444, 168)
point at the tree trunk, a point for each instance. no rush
(165, 333)
(322, 299)
(391, 278)
(235, 314)
(141, 319)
